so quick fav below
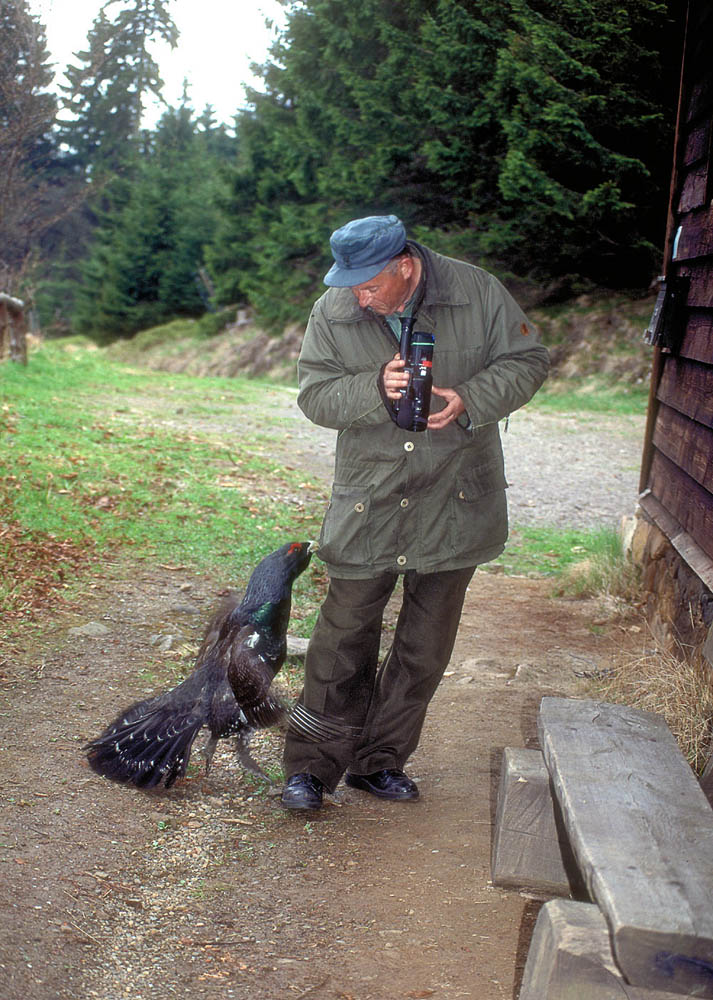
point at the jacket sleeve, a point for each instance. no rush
(515, 363)
(330, 395)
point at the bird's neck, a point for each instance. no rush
(272, 616)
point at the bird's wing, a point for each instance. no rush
(268, 712)
(215, 630)
(249, 673)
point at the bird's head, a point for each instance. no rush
(271, 580)
(298, 555)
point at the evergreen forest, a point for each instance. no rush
(534, 137)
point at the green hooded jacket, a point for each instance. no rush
(433, 500)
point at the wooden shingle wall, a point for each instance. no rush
(677, 466)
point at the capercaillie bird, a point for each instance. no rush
(228, 690)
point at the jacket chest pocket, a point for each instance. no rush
(344, 539)
(453, 367)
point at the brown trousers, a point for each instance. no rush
(358, 715)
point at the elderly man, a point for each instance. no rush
(428, 507)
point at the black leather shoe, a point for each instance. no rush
(302, 791)
(387, 784)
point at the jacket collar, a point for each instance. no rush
(444, 287)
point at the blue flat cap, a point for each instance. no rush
(362, 248)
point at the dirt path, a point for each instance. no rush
(211, 890)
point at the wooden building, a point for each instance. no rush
(674, 539)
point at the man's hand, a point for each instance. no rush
(451, 411)
(394, 377)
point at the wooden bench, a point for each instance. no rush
(641, 832)
(531, 848)
(570, 958)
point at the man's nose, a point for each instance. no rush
(363, 297)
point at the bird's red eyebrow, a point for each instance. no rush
(295, 547)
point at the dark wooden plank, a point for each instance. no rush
(700, 274)
(570, 956)
(684, 499)
(688, 387)
(688, 444)
(642, 831)
(701, 96)
(694, 236)
(697, 344)
(697, 61)
(694, 188)
(697, 146)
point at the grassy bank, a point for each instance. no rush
(89, 468)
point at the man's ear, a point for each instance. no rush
(407, 265)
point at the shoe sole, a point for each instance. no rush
(355, 782)
(301, 806)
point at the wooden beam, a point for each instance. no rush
(530, 848)
(14, 306)
(691, 553)
(570, 958)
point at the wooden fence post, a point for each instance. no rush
(13, 329)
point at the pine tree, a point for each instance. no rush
(27, 113)
(333, 135)
(577, 92)
(107, 90)
(145, 263)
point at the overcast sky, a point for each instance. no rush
(219, 39)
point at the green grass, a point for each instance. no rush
(592, 395)
(88, 469)
(582, 561)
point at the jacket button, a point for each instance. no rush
(404, 502)
(401, 560)
(359, 507)
(409, 446)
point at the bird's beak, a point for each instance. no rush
(313, 546)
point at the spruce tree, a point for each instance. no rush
(579, 94)
(145, 264)
(333, 135)
(460, 135)
(27, 150)
(107, 89)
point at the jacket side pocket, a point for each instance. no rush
(344, 539)
(480, 517)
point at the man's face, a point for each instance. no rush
(389, 291)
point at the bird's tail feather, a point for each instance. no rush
(145, 749)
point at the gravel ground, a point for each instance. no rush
(572, 471)
(566, 470)
(210, 890)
